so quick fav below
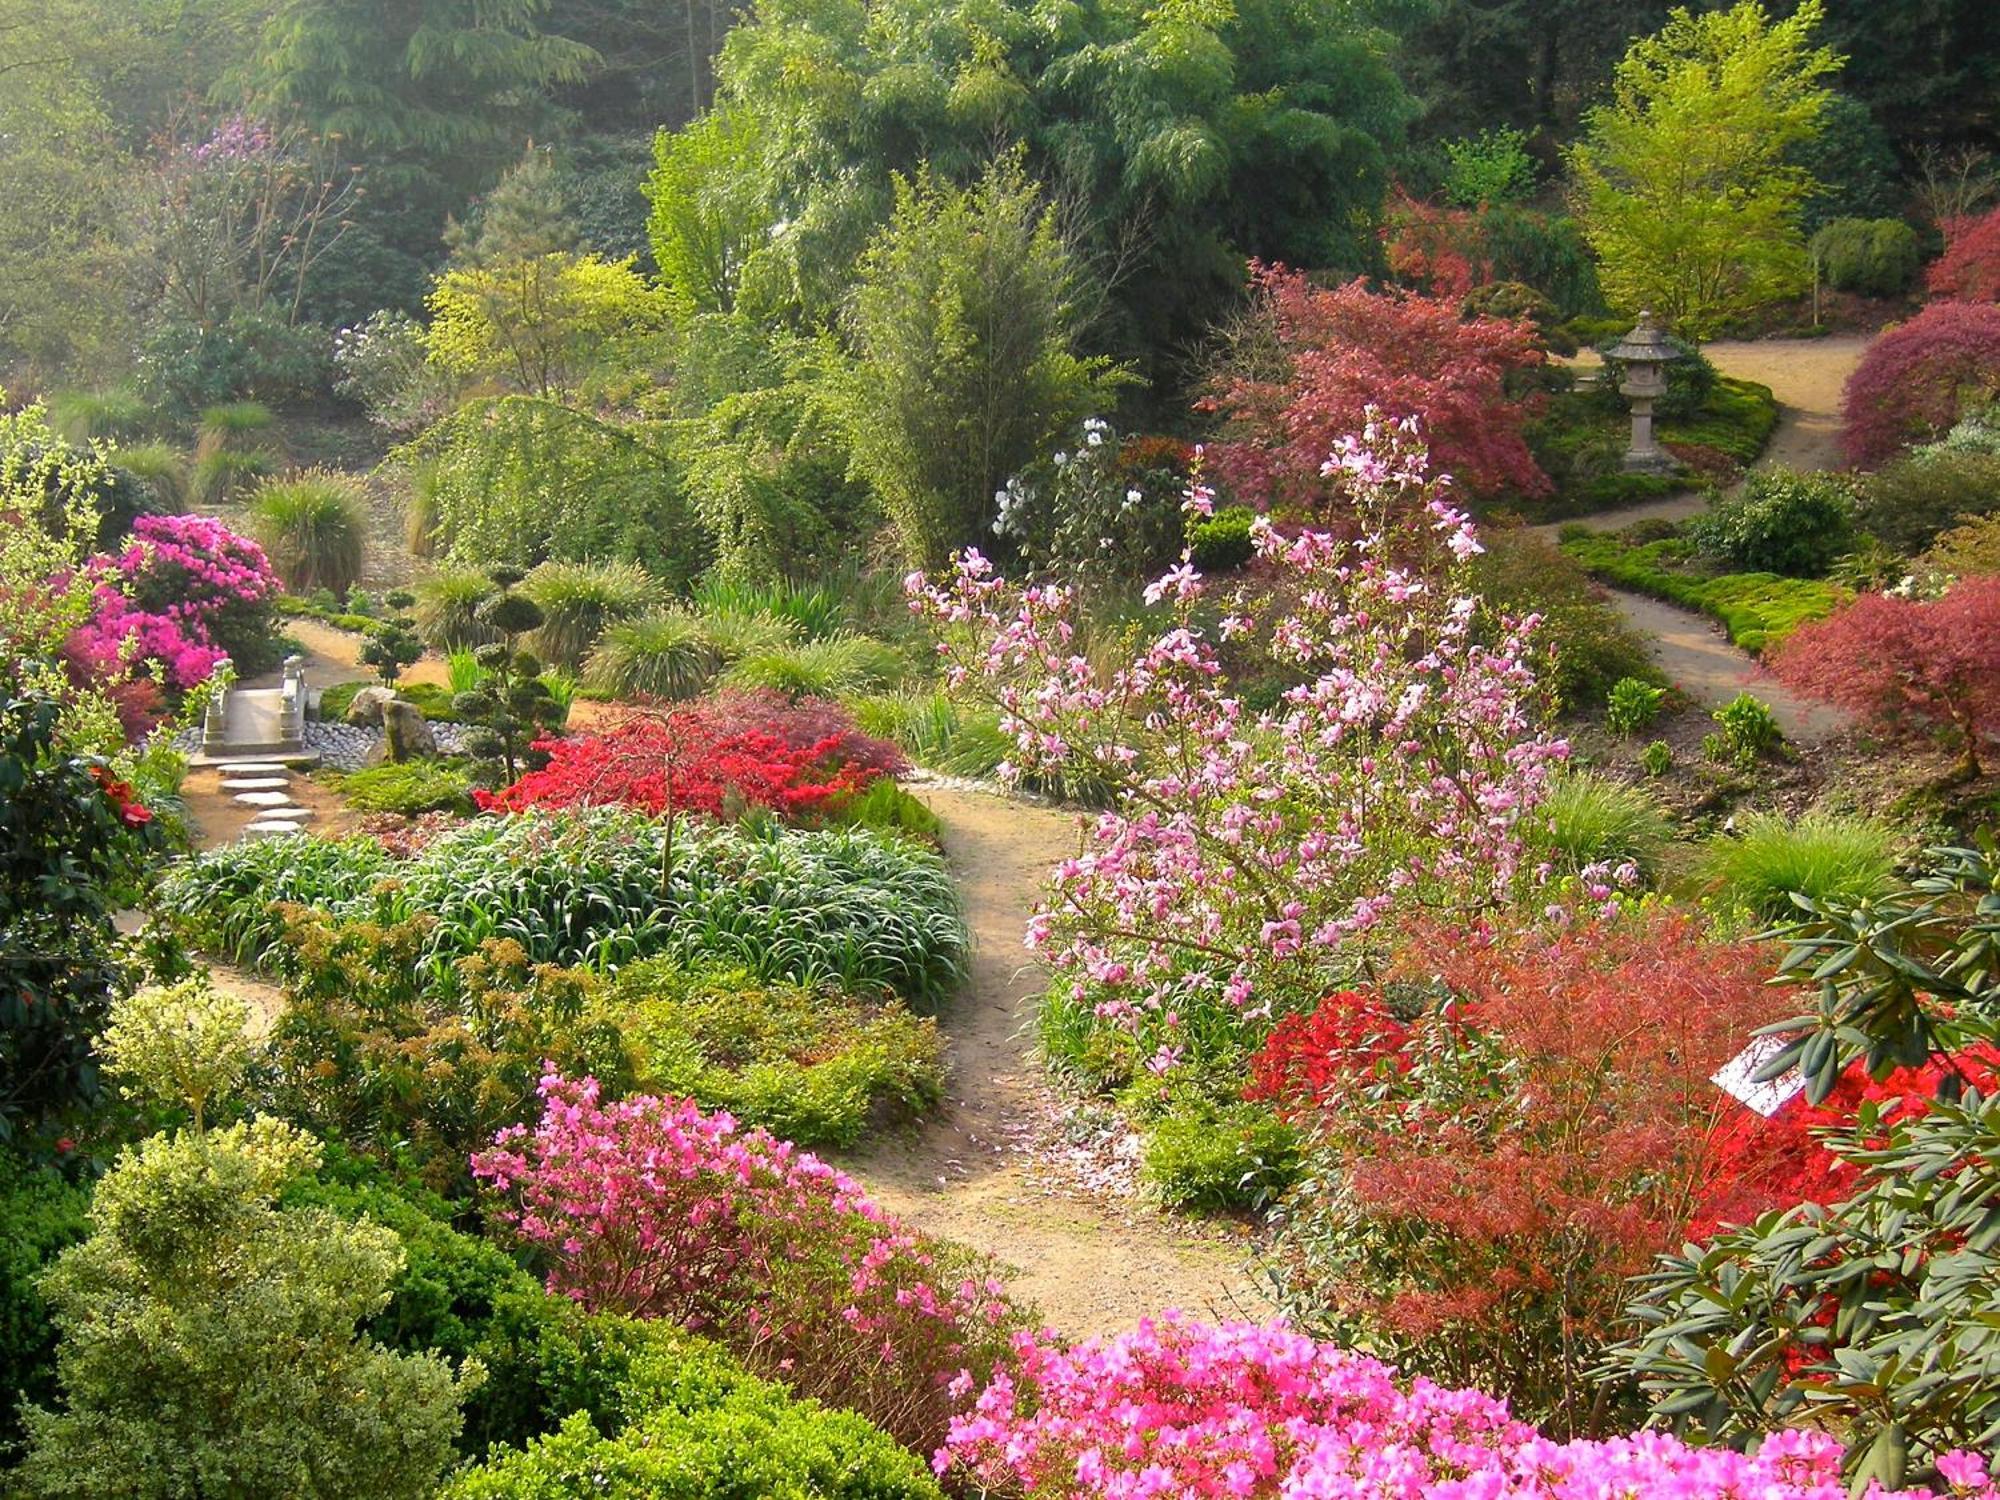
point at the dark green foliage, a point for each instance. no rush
(390, 646)
(1854, 163)
(1779, 521)
(1220, 1158)
(73, 851)
(812, 1066)
(1543, 251)
(1875, 257)
(1690, 380)
(41, 1214)
(1909, 503)
(413, 787)
(183, 367)
(1221, 543)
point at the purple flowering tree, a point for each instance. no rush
(1242, 849)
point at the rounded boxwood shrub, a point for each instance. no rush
(1221, 543)
(1874, 257)
(1780, 521)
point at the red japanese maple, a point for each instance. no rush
(1969, 269)
(1915, 379)
(1345, 350)
(1906, 664)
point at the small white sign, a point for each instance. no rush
(1738, 1078)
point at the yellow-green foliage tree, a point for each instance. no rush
(539, 324)
(1684, 180)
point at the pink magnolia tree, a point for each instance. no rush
(1256, 1410)
(1243, 848)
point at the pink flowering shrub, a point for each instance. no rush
(1179, 1409)
(186, 592)
(1242, 848)
(650, 1207)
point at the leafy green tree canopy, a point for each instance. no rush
(1686, 183)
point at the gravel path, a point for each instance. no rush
(1093, 1263)
(1807, 376)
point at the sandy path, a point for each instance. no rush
(1090, 1266)
(1807, 376)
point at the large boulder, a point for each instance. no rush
(406, 734)
(365, 707)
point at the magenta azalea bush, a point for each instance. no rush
(1182, 1409)
(1398, 770)
(186, 592)
(650, 1207)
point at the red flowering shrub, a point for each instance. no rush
(1536, 1141)
(1778, 1162)
(1969, 269)
(1915, 379)
(752, 750)
(652, 1208)
(1347, 351)
(1906, 664)
(1344, 1039)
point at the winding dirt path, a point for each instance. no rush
(1807, 376)
(1091, 1266)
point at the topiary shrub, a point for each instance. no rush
(313, 526)
(1221, 543)
(1780, 521)
(1871, 257)
(1915, 380)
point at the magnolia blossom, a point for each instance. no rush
(1399, 768)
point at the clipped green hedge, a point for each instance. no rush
(1758, 610)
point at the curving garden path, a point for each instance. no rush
(1091, 1264)
(1807, 376)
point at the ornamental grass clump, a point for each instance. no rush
(314, 528)
(650, 1207)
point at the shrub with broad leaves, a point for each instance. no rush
(650, 1207)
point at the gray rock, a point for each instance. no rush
(364, 710)
(263, 829)
(406, 735)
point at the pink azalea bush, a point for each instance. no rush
(650, 1207)
(1182, 1409)
(1399, 770)
(186, 592)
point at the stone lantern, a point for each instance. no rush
(1645, 352)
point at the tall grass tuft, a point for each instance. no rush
(1594, 820)
(734, 634)
(234, 449)
(1823, 856)
(313, 525)
(935, 732)
(580, 600)
(665, 654)
(838, 667)
(815, 611)
(91, 416)
(162, 471)
(446, 610)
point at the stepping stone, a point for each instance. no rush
(284, 815)
(261, 830)
(264, 799)
(253, 768)
(255, 783)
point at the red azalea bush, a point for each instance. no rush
(1916, 379)
(752, 749)
(1346, 353)
(1907, 664)
(652, 1208)
(1781, 1161)
(1306, 1055)
(1969, 269)
(1530, 1144)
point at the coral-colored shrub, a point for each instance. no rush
(1907, 665)
(1535, 1141)
(1344, 1038)
(1346, 350)
(1255, 1410)
(1969, 269)
(749, 749)
(1917, 378)
(653, 1208)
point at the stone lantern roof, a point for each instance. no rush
(1645, 344)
